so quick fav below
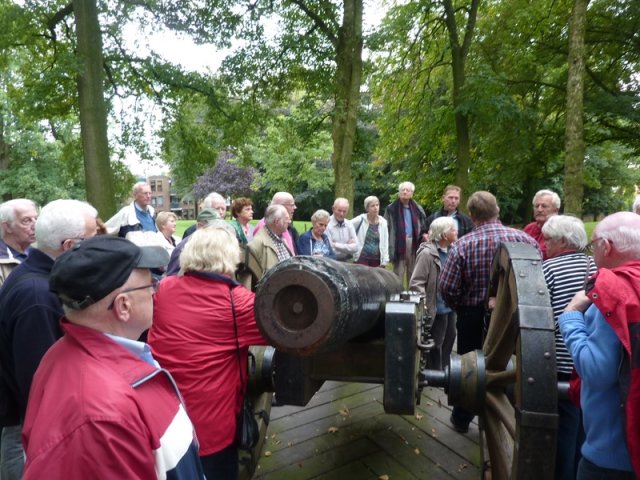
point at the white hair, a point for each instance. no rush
(209, 199)
(211, 250)
(555, 199)
(60, 220)
(137, 185)
(567, 228)
(622, 229)
(320, 215)
(439, 227)
(636, 205)
(8, 211)
(406, 185)
(273, 213)
(369, 200)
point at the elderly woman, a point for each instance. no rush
(166, 223)
(242, 213)
(200, 316)
(430, 258)
(315, 241)
(565, 272)
(373, 235)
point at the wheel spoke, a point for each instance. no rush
(498, 406)
(500, 446)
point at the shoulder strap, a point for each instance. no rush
(359, 224)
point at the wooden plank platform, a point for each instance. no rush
(344, 433)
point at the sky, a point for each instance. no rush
(194, 57)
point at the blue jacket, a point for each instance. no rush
(29, 322)
(597, 355)
(307, 245)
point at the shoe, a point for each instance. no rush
(457, 426)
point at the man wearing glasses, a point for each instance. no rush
(600, 327)
(30, 314)
(100, 405)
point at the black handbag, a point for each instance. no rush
(247, 430)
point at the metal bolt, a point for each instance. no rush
(399, 389)
(400, 330)
(547, 355)
(531, 381)
(399, 358)
(541, 292)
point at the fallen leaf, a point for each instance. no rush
(419, 416)
(429, 404)
(289, 444)
(276, 442)
(416, 451)
(344, 411)
(267, 453)
(332, 429)
(383, 477)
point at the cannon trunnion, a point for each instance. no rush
(334, 321)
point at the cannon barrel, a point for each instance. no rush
(308, 304)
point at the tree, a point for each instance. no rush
(226, 178)
(574, 138)
(91, 106)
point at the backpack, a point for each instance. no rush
(9, 410)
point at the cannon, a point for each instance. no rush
(336, 321)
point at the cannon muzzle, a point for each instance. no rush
(308, 304)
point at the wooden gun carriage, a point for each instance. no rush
(335, 321)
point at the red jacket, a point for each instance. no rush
(617, 295)
(193, 337)
(97, 411)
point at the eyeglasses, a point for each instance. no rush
(590, 246)
(77, 239)
(155, 284)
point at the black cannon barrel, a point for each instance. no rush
(307, 304)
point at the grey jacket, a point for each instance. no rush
(424, 279)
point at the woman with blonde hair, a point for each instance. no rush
(166, 223)
(203, 324)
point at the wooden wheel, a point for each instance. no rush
(511, 383)
(519, 415)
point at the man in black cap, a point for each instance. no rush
(100, 406)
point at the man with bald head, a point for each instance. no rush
(17, 233)
(291, 236)
(601, 329)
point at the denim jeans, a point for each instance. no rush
(570, 438)
(222, 465)
(589, 471)
(11, 453)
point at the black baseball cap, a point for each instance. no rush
(93, 268)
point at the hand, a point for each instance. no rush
(579, 303)
(491, 304)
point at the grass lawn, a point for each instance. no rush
(182, 225)
(303, 226)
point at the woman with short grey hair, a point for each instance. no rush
(315, 241)
(373, 235)
(565, 272)
(430, 258)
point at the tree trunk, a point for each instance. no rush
(348, 79)
(459, 52)
(574, 133)
(93, 112)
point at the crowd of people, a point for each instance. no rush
(123, 348)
